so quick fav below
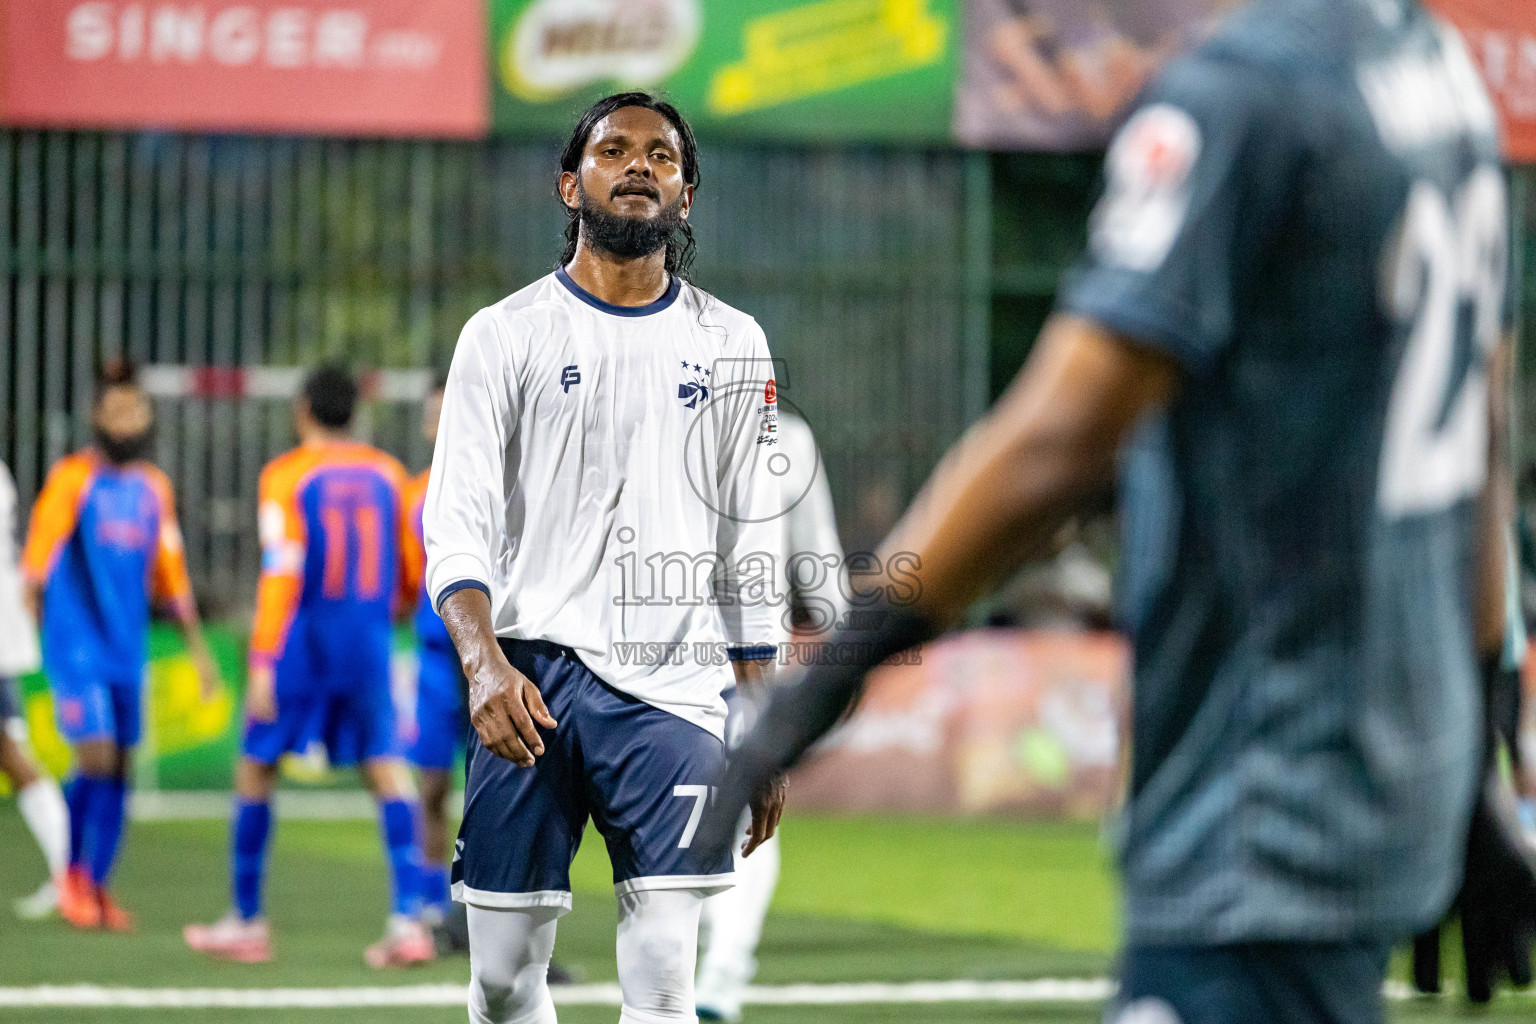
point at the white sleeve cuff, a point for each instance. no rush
(456, 568)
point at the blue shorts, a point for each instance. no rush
(345, 705)
(95, 709)
(1253, 983)
(442, 720)
(642, 775)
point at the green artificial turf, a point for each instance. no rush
(864, 899)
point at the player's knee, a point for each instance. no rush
(388, 779)
(434, 794)
(97, 758)
(254, 780)
(657, 944)
(505, 992)
(15, 764)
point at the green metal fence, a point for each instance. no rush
(901, 289)
(235, 252)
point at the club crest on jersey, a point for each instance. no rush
(695, 390)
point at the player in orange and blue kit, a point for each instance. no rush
(442, 714)
(103, 546)
(335, 566)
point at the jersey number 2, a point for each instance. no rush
(1444, 282)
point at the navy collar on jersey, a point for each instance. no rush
(673, 287)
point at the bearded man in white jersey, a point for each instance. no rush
(602, 545)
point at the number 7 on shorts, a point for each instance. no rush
(700, 795)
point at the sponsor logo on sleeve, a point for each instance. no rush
(1147, 196)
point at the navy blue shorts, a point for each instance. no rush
(1252, 983)
(641, 774)
(442, 720)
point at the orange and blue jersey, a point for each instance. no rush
(430, 631)
(104, 546)
(337, 560)
(442, 720)
(337, 555)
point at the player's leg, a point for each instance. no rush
(440, 731)
(42, 807)
(406, 941)
(243, 934)
(102, 722)
(510, 949)
(39, 799)
(656, 948)
(101, 789)
(435, 784)
(85, 717)
(520, 830)
(127, 711)
(648, 776)
(732, 921)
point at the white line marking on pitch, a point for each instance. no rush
(1045, 990)
(1041, 990)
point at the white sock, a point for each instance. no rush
(509, 953)
(42, 807)
(657, 945)
(733, 922)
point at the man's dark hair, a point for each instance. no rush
(680, 248)
(115, 373)
(331, 392)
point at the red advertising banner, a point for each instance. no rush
(1502, 37)
(335, 67)
(991, 721)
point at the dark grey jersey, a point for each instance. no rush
(1308, 214)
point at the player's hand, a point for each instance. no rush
(261, 695)
(1497, 900)
(767, 806)
(208, 679)
(748, 777)
(506, 709)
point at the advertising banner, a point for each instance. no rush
(992, 721)
(190, 743)
(1060, 74)
(829, 70)
(1501, 35)
(336, 67)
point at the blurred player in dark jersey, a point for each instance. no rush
(1280, 339)
(104, 546)
(335, 565)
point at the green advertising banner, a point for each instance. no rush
(829, 70)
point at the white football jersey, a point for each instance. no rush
(603, 471)
(814, 569)
(18, 633)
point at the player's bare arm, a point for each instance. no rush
(209, 682)
(1051, 444)
(752, 678)
(504, 706)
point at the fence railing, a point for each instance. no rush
(247, 252)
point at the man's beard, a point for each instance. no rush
(122, 450)
(627, 238)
